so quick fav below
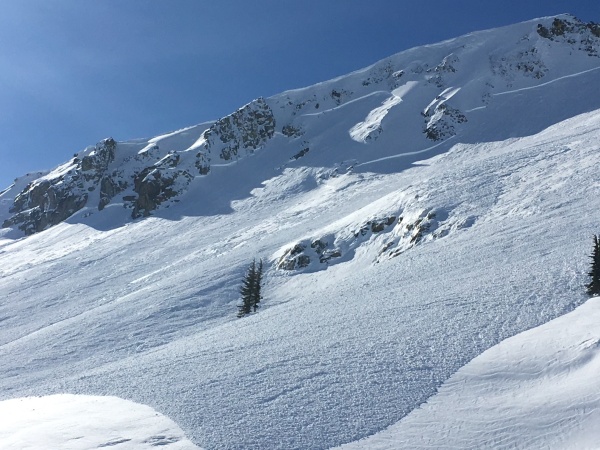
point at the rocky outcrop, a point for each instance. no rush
(302, 254)
(291, 131)
(328, 250)
(301, 153)
(159, 183)
(447, 66)
(524, 63)
(55, 206)
(49, 200)
(340, 96)
(247, 129)
(96, 163)
(581, 36)
(442, 121)
(135, 178)
(375, 226)
(384, 73)
(109, 187)
(396, 233)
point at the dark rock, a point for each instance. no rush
(246, 129)
(301, 153)
(108, 189)
(99, 159)
(291, 131)
(444, 126)
(202, 163)
(302, 261)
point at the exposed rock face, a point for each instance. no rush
(246, 129)
(294, 258)
(384, 73)
(291, 131)
(447, 66)
(56, 206)
(301, 153)
(96, 163)
(48, 201)
(108, 189)
(582, 36)
(325, 250)
(159, 183)
(527, 63)
(137, 179)
(301, 254)
(375, 226)
(442, 121)
(397, 233)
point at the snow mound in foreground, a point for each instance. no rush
(539, 389)
(82, 422)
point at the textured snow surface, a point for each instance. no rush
(81, 422)
(418, 265)
(539, 389)
(147, 311)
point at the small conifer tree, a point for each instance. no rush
(257, 296)
(593, 288)
(251, 289)
(247, 291)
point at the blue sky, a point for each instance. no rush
(75, 71)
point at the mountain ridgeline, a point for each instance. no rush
(423, 99)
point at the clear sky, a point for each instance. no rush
(75, 71)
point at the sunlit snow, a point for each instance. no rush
(80, 422)
(420, 255)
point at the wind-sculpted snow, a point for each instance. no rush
(445, 249)
(537, 390)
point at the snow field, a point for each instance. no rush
(77, 422)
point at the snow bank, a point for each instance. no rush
(82, 422)
(539, 389)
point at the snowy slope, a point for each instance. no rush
(147, 311)
(383, 277)
(489, 85)
(75, 422)
(539, 389)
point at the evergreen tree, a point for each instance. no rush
(251, 289)
(593, 288)
(247, 291)
(256, 294)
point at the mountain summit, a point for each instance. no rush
(410, 216)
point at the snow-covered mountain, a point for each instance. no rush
(410, 215)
